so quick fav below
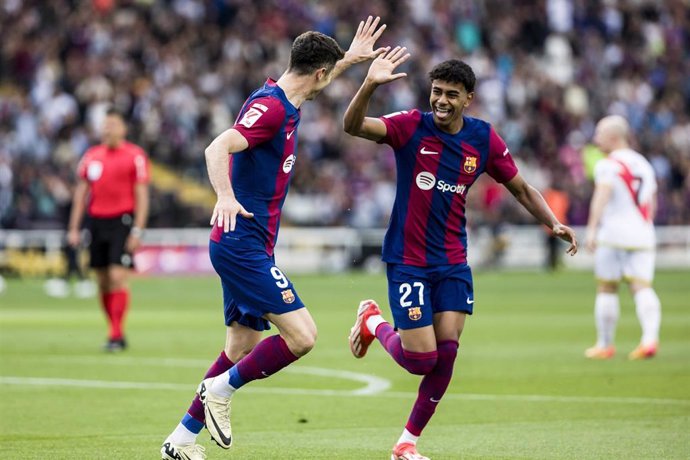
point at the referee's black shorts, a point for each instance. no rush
(108, 237)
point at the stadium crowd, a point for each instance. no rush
(180, 69)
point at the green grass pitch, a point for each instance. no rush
(521, 390)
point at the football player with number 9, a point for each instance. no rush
(250, 166)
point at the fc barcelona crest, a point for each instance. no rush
(470, 165)
(288, 296)
(415, 313)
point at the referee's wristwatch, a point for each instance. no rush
(136, 232)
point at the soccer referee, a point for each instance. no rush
(113, 187)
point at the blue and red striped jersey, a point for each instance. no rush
(435, 172)
(261, 174)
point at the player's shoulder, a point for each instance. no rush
(268, 107)
(270, 97)
(606, 165)
(475, 130)
(404, 115)
(94, 151)
(133, 149)
(479, 126)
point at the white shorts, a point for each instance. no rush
(613, 264)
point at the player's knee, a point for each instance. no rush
(301, 344)
(235, 353)
(420, 363)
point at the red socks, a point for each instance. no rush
(115, 304)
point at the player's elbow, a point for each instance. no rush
(209, 151)
(351, 128)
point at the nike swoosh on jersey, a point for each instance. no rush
(289, 135)
(424, 151)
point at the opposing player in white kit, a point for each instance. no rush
(621, 232)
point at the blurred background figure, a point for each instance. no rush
(545, 71)
(60, 287)
(113, 189)
(621, 232)
(557, 199)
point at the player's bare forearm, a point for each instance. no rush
(141, 210)
(380, 72)
(218, 167)
(78, 205)
(602, 194)
(218, 161)
(77, 212)
(342, 65)
(355, 115)
(530, 198)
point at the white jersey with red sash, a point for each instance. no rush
(627, 220)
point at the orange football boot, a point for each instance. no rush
(600, 352)
(407, 451)
(644, 351)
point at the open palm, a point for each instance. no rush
(362, 46)
(381, 69)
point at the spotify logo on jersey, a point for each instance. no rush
(289, 163)
(425, 180)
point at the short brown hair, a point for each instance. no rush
(313, 50)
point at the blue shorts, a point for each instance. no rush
(252, 285)
(416, 293)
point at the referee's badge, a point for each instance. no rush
(470, 165)
(288, 296)
(415, 313)
(94, 171)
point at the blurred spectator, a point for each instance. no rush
(180, 70)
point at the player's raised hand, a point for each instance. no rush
(381, 70)
(567, 234)
(225, 213)
(362, 46)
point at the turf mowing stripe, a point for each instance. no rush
(106, 384)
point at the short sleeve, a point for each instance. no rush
(83, 163)
(141, 167)
(605, 172)
(261, 120)
(400, 126)
(500, 164)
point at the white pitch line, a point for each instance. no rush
(120, 385)
(106, 384)
(373, 384)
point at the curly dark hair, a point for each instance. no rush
(313, 50)
(454, 71)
